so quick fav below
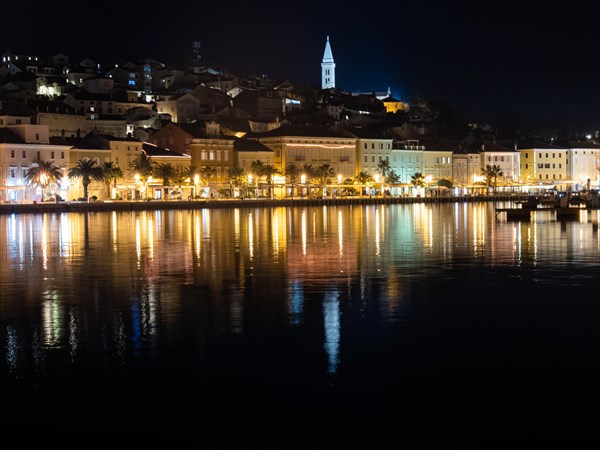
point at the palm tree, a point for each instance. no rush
(393, 177)
(383, 167)
(292, 174)
(362, 178)
(206, 173)
(142, 166)
(110, 174)
(192, 172)
(166, 172)
(491, 174)
(308, 172)
(268, 171)
(43, 174)
(257, 167)
(323, 175)
(417, 179)
(236, 176)
(88, 170)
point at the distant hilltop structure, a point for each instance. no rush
(328, 68)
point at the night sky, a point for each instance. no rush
(482, 59)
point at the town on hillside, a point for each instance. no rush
(133, 130)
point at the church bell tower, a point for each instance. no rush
(327, 68)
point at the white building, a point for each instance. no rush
(327, 68)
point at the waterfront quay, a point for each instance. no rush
(144, 205)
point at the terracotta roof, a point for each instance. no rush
(301, 131)
(493, 147)
(156, 151)
(8, 137)
(250, 145)
(535, 144)
(366, 133)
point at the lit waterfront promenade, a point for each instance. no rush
(63, 207)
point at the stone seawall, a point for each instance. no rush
(64, 207)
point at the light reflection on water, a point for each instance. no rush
(191, 289)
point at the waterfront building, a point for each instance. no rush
(22, 144)
(544, 163)
(371, 147)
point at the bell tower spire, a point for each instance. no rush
(327, 68)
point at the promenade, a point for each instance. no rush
(145, 205)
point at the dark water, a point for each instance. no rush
(122, 319)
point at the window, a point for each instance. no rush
(13, 173)
(12, 153)
(203, 155)
(553, 166)
(540, 176)
(37, 136)
(218, 152)
(547, 166)
(560, 175)
(387, 158)
(62, 155)
(554, 155)
(380, 158)
(225, 155)
(365, 145)
(546, 155)
(24, 154)
(372, 146)
(554, 176)
(372, 158)
(380, 146)
(526, 166)
(495, 159)
(366, 158)
(560, 155)
(546, 176)
(526, 155)
(502, 158)
(540, 155)
(559, 165)
(51, 155)
(540, 166)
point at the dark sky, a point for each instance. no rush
(482, 59)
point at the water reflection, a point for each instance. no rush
(134, 286)
(331, 322)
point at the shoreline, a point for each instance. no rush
(153, 205)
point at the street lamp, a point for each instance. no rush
(302, 181)
(339, 180)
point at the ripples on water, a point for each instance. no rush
(342, 310)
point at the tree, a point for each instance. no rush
(491, 174)
(110, 174)
(417, 179)
(237, 176)
(383, 167)
(323, 175)
(88, 170)
(268, 171)
(206, 173)
(43, 174)
(292, 175)
(393, 177)
(166, 172)
(445, 182)
(192, 173)
(362, 178)
(142, 166)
